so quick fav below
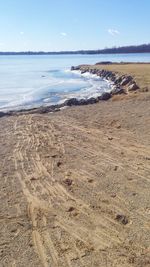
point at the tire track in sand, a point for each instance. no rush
(48, 200)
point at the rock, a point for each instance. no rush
(122, 219)
(75, 68)
(129, 178)
(118, 80)
(92, 100)
(14, 230)
(104, 73)
(110, 138)
(113, 195)
(78, 102)
(90, 180)
(59, 163)
(118, 126)
(113, 77)
(133, 87)
(71, 209)
(115, 168)
(126, 80)
(145, 89)
(83, 102)
(2, 114)
(93, 71)
(54, 155)
(68, 182)
(108, 76)
(88, 101)
(117, 91)
(83, 71)
(104, 96)
(71, 102)
(33, 179)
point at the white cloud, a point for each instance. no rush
(113, 32)
(21, 33)
(63, 33)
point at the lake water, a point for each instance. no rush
(31, 81)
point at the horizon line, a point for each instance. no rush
(82, 50)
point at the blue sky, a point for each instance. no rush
(54, 25)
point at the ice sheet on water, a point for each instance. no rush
(32, 87)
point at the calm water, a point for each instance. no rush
(27, 81)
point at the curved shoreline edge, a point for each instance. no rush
(121, 84)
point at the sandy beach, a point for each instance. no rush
(75, 183)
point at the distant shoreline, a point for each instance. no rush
(144, 48)
(64, 53)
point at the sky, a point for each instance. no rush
(58, 25)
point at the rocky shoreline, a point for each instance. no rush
(121, 84)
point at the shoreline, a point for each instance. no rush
(125, 83)
(121, 84)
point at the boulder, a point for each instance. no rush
(2, 114)
(82, 102)
(83, 71)
(75, 68)
(71, 102)
(79, 102)
(93, 71)
(108, 75)
(118, 80)
(117, 91)
(113, 77)
(126, 80)
(92, 100)
(105, 73)
(133, 87)
(104, 96)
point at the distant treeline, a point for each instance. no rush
(145, 48)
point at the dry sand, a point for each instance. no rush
(75, 186)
